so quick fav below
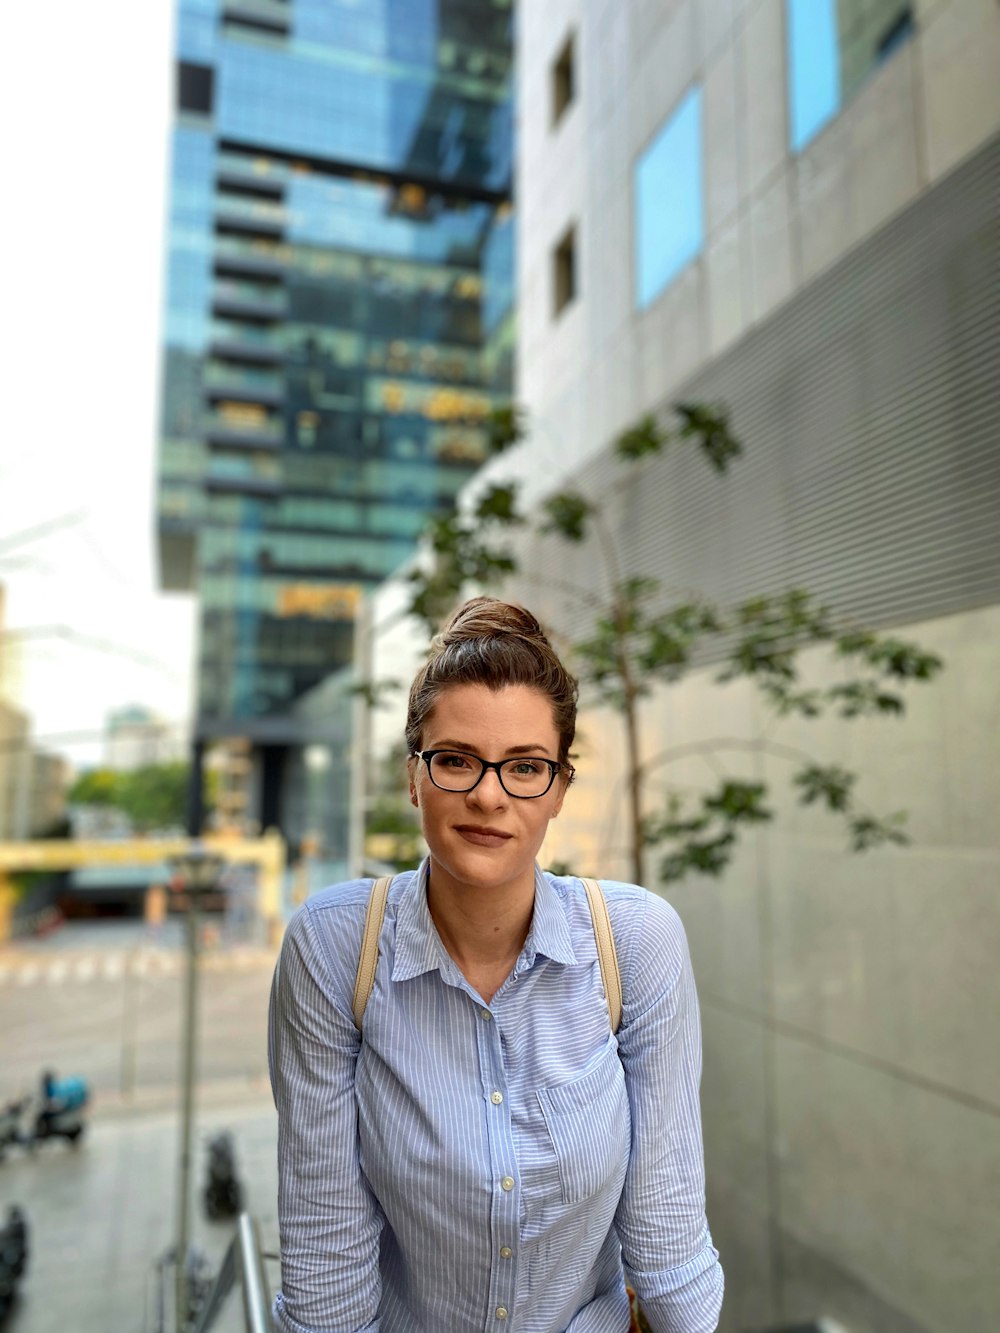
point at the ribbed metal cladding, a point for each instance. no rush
(869, 408)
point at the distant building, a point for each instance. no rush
(338, 327)
(231, 762)
(15, 773)
(50, 783)
(136, 736)
(33, 783)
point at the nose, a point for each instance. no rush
(489, 790)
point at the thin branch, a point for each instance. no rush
(591, 599)
(726, 743)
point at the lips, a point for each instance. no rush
(481, 835)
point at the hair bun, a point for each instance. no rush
(484, 617)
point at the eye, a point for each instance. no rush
(528, 768)
(452, 760)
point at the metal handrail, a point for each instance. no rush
(243, 1260)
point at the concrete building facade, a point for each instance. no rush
(825, 268)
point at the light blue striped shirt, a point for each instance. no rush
(489, 1167)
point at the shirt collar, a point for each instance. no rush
(549, 934)
(418, 945)
(419, 948)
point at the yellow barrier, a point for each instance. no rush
(267, 853)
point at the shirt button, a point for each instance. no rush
(501, 1312)
(505, 1252)
(508, 1182)
(496, 1098)
(486, 1015)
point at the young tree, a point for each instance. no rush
(636, 642)
(153, 796)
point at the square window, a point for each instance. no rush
(562, 81)
(833, 46)
(194, 87)
(668, 198)
(564, 272)
(813, 68)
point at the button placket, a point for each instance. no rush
(506, 1206)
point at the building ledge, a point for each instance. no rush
(261, 441)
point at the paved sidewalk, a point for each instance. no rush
(102, 1213)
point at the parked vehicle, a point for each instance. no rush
(60, 1113)
(223, 1192)
(11, 1133)
(57, 1112)
(13, 1256)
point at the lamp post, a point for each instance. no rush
(198, 870)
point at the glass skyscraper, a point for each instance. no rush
(338, 322)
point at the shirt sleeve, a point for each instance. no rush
(328, 1219)
(667, 1249)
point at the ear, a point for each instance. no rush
(411, 771)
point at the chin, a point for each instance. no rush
(483, 866)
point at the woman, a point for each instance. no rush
(488, 1155)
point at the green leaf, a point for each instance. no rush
(710, 427)
(786, 701)
(637, 588)
(892, 657)
(774, 629)
(740, 802)
(505, 426)
(830, 784)
(861, 698)
(669, 638)
(868, 831)
(498, 504)
(376, 692)
(709, 856)
(567, 514)
(638, 441)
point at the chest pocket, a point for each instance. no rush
(590, 1127)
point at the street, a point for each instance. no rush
(103, 1000)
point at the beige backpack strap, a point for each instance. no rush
(368, 961)
(606, 955)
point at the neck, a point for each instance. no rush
(483, 929)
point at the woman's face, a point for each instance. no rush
(486, 837)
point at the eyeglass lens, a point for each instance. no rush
(460, 772)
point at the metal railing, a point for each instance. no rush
(243, 1262)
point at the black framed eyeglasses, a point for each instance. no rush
(525, 777)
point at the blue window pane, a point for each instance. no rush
(813, 67)
(669, 228)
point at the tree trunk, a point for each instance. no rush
(634, 787)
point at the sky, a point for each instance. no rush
(85, 94)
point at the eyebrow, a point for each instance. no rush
(471, 749)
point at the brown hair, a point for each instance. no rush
(493, 643)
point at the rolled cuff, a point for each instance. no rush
(284, 1323)
(685, 1299)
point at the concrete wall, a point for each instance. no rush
(774, 220)
(851, 1091)
(852, 1081)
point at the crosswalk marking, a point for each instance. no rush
(145, 964)
(57, 973)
